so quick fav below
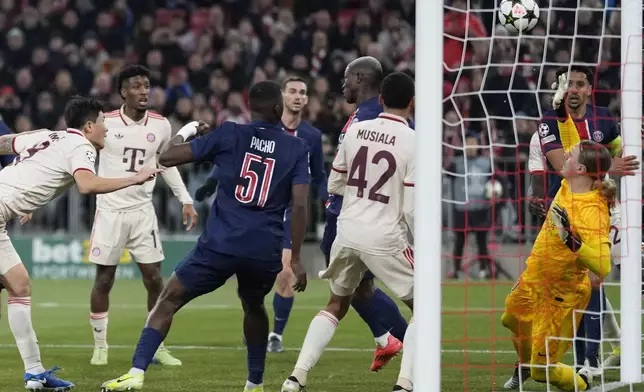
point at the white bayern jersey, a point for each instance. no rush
(375, 165)
(129, 146)
(43, 169)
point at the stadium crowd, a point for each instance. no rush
(496, 88)
(203, 56)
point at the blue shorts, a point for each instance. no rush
(203, 271)
(330, 231)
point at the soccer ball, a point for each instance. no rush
(493, 190)
(518, 15)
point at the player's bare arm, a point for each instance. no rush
(88, 183)
(300, 197)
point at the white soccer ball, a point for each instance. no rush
(493, 190)
(518, 15)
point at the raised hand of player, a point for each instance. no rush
(146, 174)
(202, 128)
(189, 216)
(561, 87)
(299, 273)
(625, 166)
(559, 217)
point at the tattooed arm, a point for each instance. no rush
(7, 141)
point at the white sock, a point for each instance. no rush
(273, 334)
(611, 328)
(98, 321)
(318, 336)
(250, 385)
(135, 371)
(406, 375)
(161, 346)
(19, 314)
(382, 341)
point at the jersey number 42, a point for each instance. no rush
(358, 172)
(258, 174)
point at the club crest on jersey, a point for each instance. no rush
(544, 129)
(96, 252)
(151, 138)
(598, 136)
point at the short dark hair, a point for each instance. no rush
(130, 71)
(263, 97)
(397, 90)
(293, 79)
(578, 68)
(80, 110)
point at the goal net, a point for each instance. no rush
(497, 87)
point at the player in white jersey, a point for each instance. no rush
(374, 171)
(47, 164)
(127, 219)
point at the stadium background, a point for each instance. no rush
(204, 54)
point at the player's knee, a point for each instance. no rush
(538, 373)
(285, 280)
(104, 281)
(153, 282)
(365, 290)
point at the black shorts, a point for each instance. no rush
(203, 271)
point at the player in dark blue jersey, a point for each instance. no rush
(5, 160)
(593, 123)
(362, 79)
(262, 170)
(294, 92)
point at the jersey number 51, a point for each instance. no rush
(248, 193)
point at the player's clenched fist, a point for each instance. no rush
(202, 128)
(146, 174)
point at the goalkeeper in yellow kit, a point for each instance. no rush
(539, 311)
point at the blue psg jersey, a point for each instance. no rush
(258, 164)
(597, 125)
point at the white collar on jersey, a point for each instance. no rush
(128, 121)
(393, 117)
(75, 131)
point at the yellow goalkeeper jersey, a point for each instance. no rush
(551, 267)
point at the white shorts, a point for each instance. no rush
(136, 231)
(9, 258)
(348, 266)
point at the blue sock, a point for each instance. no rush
(256, 360)
(580, 345)
(282, 307)
(593, 325)
(389, 314)
(149, 342)
(370, 315)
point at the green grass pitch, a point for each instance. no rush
(206, 336)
